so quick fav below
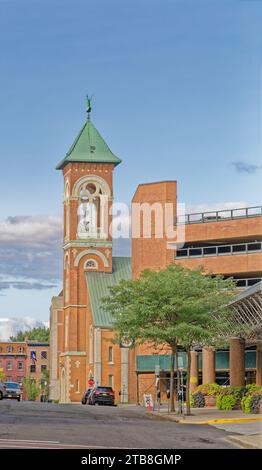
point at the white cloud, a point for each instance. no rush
(215, 206)
(11, 326)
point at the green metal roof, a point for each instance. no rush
(98, 284)
(89, 147)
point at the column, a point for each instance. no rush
(259, 365)
(208, 366)
(97, 356)
(194, 371)
(124, 374)
(237, 362)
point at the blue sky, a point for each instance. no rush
(177, 95)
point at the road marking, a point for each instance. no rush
(23, 444)
(29, 440)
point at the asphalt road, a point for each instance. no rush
(46, 425)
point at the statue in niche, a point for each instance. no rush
(87, 218)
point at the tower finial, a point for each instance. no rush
(88, 106)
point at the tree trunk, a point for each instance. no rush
(177, 373)
(172, 364)
(188, 382)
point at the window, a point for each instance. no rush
(43, 354)
(32, 368)
(20, 349)
(20, 366)
(20, 380)
(111, 381)
(91, 264)
(77, 386)
(43, 367)
(9, 366)
(110, 354)
(9, 349)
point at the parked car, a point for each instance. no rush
(13, 390)
(86, 395)
(102, 396)
(3, 393)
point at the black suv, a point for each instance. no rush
(102, 396)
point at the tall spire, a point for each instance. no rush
(89, 146)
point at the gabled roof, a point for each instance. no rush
(89, 147)
(98, 284)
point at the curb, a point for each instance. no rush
(239, 441)
(210, 421)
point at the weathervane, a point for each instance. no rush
(88, 106)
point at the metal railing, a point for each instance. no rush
(220, 250)
(218, 216)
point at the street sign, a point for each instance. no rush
(91, 382)
(148, 401)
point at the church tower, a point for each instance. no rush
(88, 194)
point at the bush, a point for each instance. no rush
(208, 389)
(255, 402)
(238, 392)
(198, 400)
(250, 402)
(219, 402)
(228, 402)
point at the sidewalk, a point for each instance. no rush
(246, 429)
(206, 416)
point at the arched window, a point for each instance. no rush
(91, 264)
(9, 349)
(92, 193)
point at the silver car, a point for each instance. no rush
(3, 392)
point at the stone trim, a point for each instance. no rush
(85, 244)
(91, 252)
(73, 353)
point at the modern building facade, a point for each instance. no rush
(81, 347)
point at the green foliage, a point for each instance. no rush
(45, 384)
(2, 376)
(198, 400)
(228, 402)
(31, 388)
(245, 403)
(39, 334)
(209, 389)
(252, 388)
(219, 402)
(238, 392)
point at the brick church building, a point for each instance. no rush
(81, 330)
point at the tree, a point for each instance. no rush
(39, 334)
(2, 376)
(45, 384)
(31, 388)
(171, 307)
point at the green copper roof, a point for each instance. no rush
(98, 284)
(89, 147)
